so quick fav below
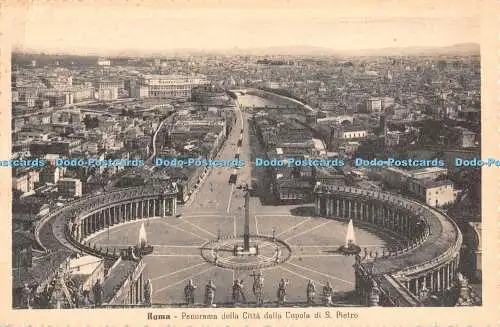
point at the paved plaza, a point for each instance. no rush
(177, 254)
(184, 247)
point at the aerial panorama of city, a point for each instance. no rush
(246, 180)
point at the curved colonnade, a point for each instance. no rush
(406, 275)
(83, 218)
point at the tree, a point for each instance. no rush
(16, 194)
(91, 122)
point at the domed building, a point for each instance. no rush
(209, 94)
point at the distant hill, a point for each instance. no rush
(296, 50)
(457, 49)
(304, 50)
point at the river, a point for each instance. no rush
(257, 101)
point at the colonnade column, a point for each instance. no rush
(450, 274)
(141, 288)
(438, 277)
(163, 207)
(132, 292)
(445, 280)
(448, 279)
(78, 234)
(453, 270)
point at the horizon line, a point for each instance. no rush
(119, 52)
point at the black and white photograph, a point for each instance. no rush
(262, 159)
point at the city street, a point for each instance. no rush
(226, 157)
(217, 210)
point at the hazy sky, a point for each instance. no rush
(102, 29)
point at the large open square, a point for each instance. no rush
(177, 254)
